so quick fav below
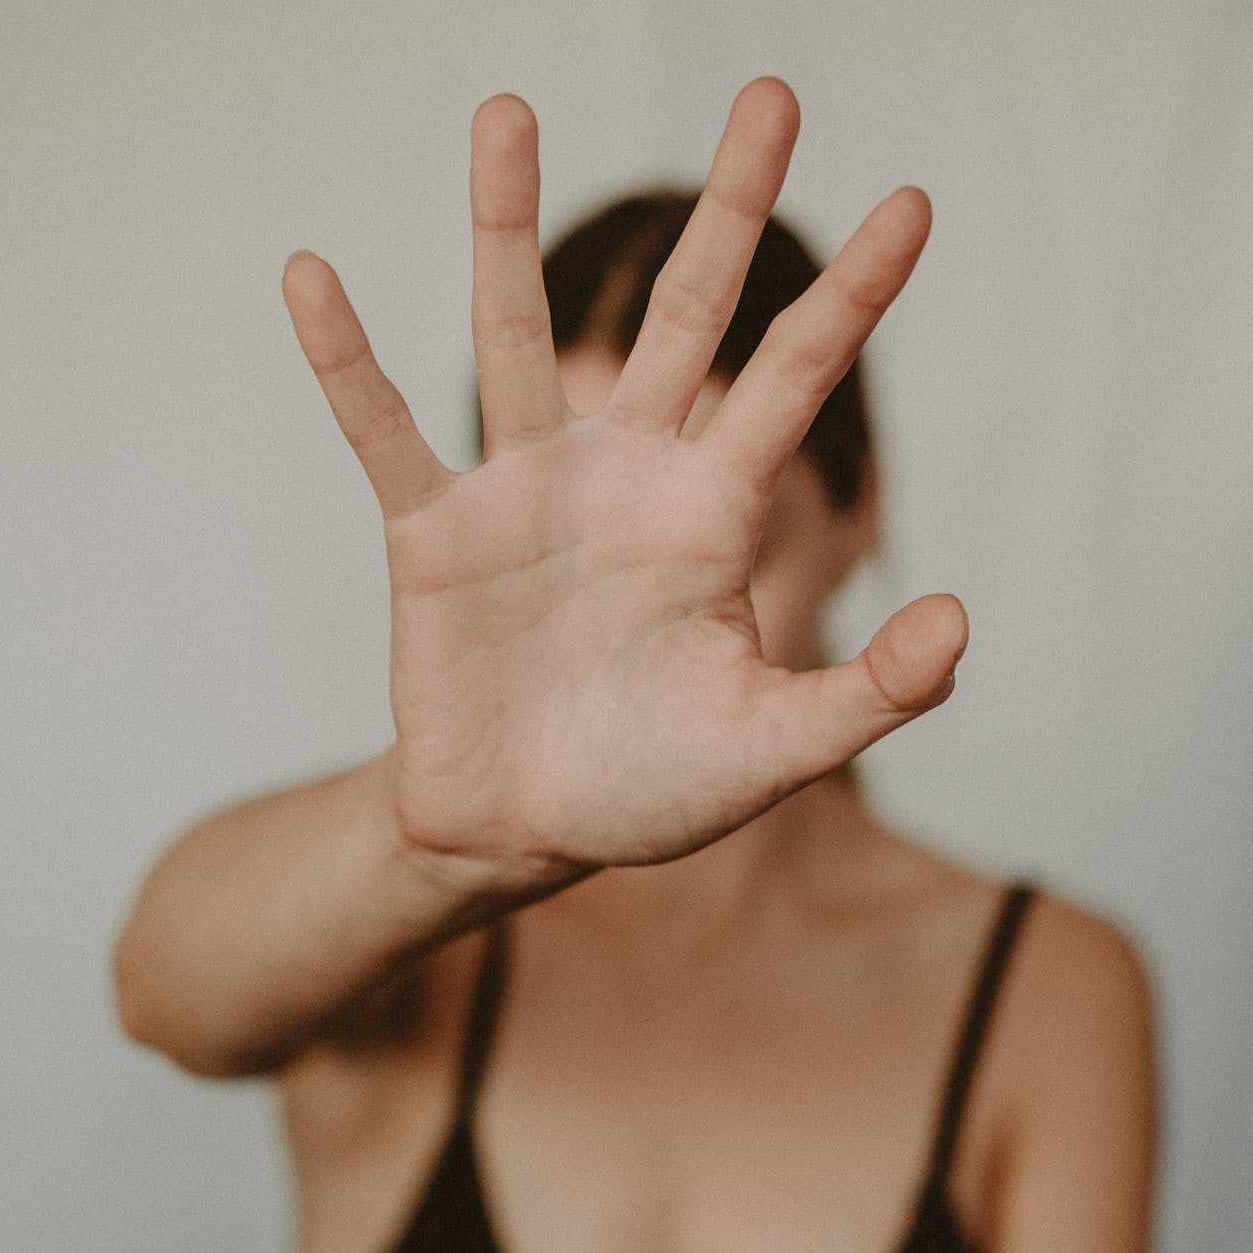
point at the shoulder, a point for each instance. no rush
(1064, 1117)
(1086, 951)
(1060, 1134)
(1072, 1031)
(1072, 969)
(1077, 1078)
(1086, 989)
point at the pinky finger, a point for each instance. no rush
(372, 414)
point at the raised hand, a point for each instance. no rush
(577, 678)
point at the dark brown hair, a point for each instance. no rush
(600, 273)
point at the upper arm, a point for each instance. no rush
(418, 1012)
(1079, 1166)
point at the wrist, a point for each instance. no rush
(452, 890)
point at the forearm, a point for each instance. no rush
(265, 921)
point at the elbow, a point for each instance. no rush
(144, 1021)
(148, 1019)
(132, 1008)
(137, 1007)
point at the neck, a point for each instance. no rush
(779, 861)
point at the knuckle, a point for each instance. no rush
(867, 294)
(332, 365)
(688, 307)
(808, 364)
(510, 331)
(389, 417)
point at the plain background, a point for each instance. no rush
(193, 589)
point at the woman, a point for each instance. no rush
(737, 1011)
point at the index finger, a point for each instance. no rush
(811, 344)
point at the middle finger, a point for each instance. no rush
(696, 293)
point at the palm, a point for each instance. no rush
(576, 672)
(581, 662)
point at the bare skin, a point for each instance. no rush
(769, 1018)
(733, 991)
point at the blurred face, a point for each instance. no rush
(808, 547)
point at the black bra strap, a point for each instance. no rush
(962, 1069)
(488, 994)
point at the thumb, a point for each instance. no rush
(821, 718)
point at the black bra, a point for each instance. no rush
(452, 1216)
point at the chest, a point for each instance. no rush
(707, 1124)
(619, 1114)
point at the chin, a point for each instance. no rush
(785, 627)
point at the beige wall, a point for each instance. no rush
(192, 587)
